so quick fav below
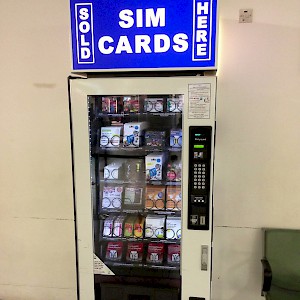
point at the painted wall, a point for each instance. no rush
(258, 139)
(37, 251)
(257, 157)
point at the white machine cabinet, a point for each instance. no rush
(143, 151)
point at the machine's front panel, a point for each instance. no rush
(199, 177)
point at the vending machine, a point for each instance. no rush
(143, 152)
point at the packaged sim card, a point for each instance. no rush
(176, 138)
(154, 166)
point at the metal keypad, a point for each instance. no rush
(199, 179)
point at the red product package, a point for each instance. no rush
(114, 251)
(155, 253)
(134, 252)
(173, 254)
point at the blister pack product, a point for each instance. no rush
(114, 251)
(133, 134)
(112, 197)
(110, 136)
(114, 170)
(155, 253)
(118, 226)
(131, 104)
(133, 196)
(134, 169)
(139, 227)
(173, 198)
(155, 139)
(174, 170)
(135, 252)
(154, 166)
(175, 104)
(155, 226)
(108, 226)
(155, 197)
(173, 254)
(154, 105)
(109, 104)
(173, 228)
(176, 138)
(129, 226)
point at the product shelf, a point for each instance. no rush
(137, 114)
(142, 265)
(143, 211)
(144, 240)
(131, 152)
(139, 182)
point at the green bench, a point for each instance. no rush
(281, 264)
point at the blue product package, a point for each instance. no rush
(176, 138)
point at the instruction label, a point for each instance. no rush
(199, 101)
(100, 267)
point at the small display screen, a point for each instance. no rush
(198, 146)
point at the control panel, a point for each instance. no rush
(200, 138)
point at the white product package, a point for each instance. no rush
(113, 170)
(154, 105)
(174, 104)
(119, 226)
(173, 228)
(133, 133)
(108, 226)
(112, 197)
(110, 136)
(154, 166)
(155, 226)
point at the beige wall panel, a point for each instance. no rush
(258, 140)
(257, 150)
(37, 256)
(13, 292)
(37, 253)
(35, 164)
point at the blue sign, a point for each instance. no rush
(143, 35)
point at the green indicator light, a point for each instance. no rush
(198, 134)
(198, 146)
